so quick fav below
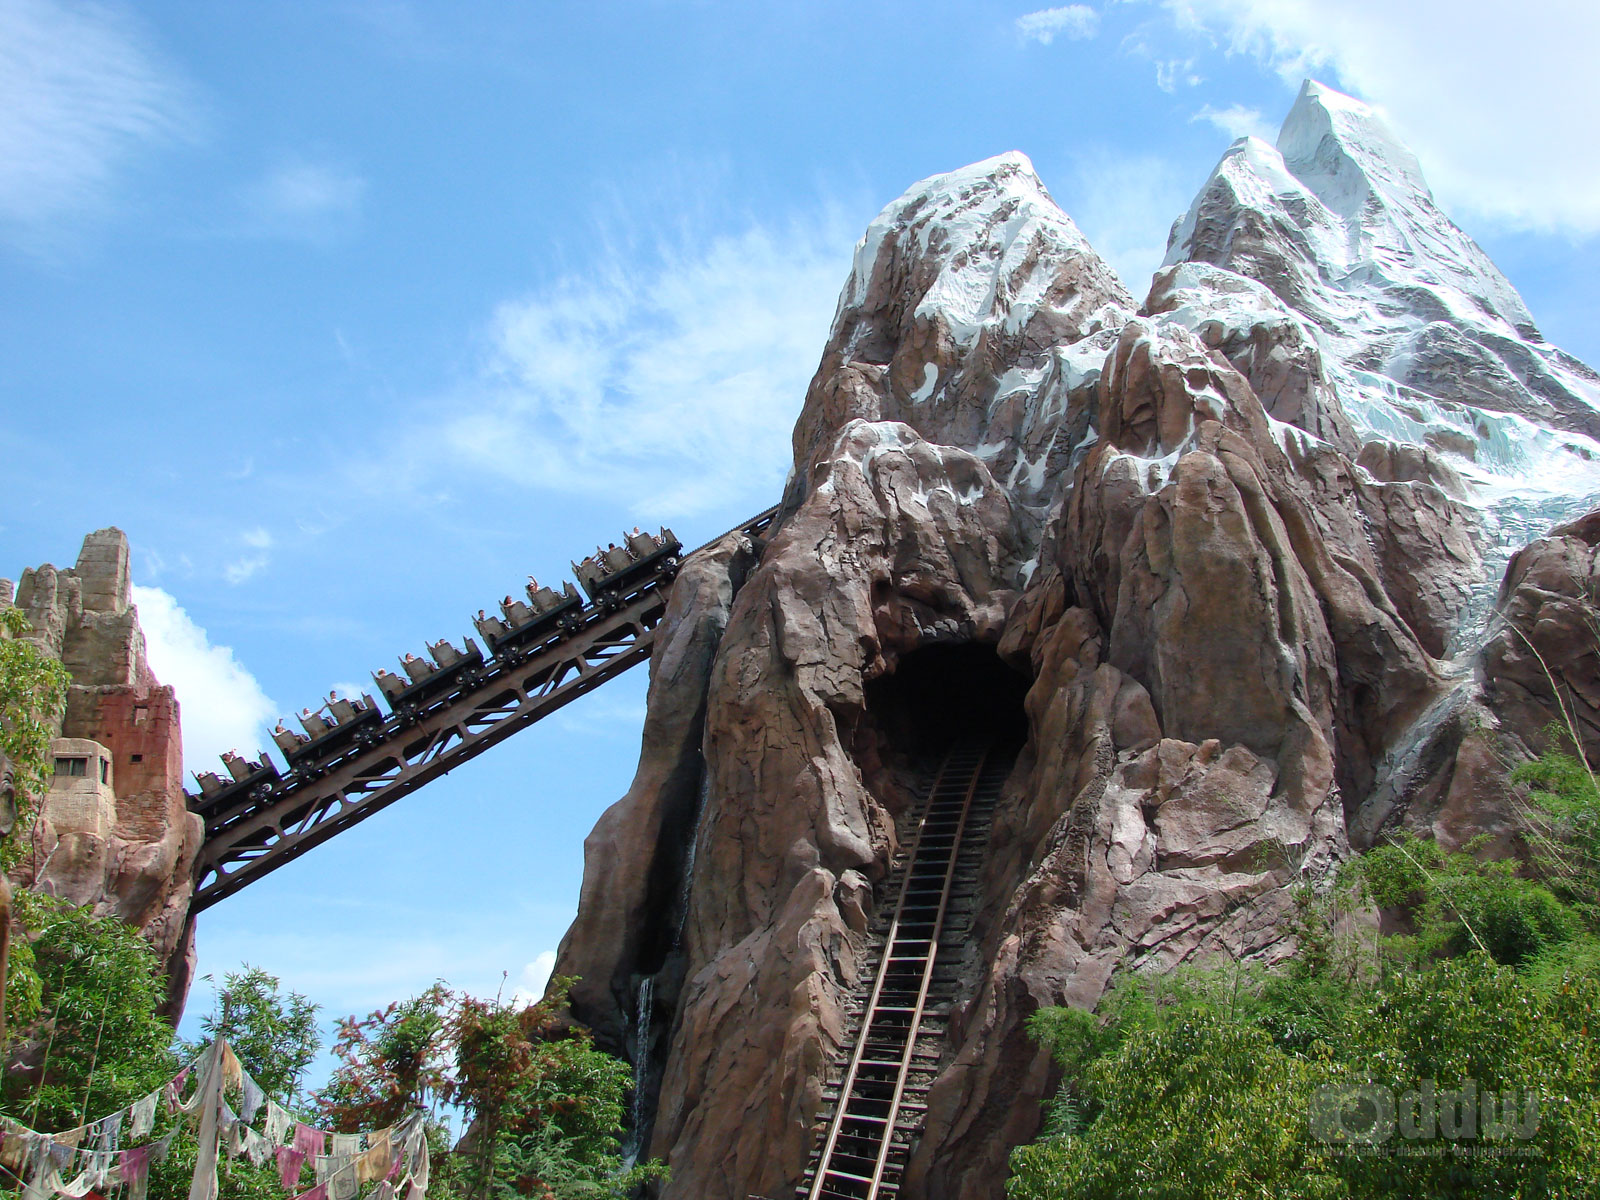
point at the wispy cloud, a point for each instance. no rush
(1484, 94)
(666, 376)
(1236, 121)
(258, 545)
(1172, 73)
(223, 706)
(82, 91)
(311, 201)
(1069, 21)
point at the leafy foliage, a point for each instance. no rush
(1458, 903)
(1201, 1084)
(96, 1039)
(543, 1107)
(546, 1106)
(1565, 821)
(33, 694)
(1207, 1102)
(391, 1062)
(1195, 1108)
(275, 1036)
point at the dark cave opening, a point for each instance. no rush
(949, 692)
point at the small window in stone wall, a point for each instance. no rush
(135, 758)
(72, 766)
(105, 770)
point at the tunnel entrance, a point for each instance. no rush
(945, 693)
(937, 745)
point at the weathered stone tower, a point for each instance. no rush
(113, 831)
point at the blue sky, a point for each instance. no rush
(354, 314)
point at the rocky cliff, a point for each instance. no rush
(114, 832)
(1229, 555)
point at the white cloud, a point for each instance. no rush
(1124, 204)
(242, 569)
(668, 379)
(221, 704)
(81, 92)
(1174, 71)
(535, 975)
(1496, 102)
(307, 200)
(258, 543)
(1236, 121)
(1072, 21)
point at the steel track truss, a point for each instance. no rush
(283, 819)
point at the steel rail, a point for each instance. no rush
(958, 761)
(847, 1084)
(927, 975)
(306, 806)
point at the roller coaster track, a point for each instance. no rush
(252, 830)
(878, 1106)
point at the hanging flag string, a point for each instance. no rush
(396, 1158)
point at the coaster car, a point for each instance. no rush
(424, 681)
(330, 731)
(613, 573)
(220, 795)
(547, 613)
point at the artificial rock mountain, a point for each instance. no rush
(121, 838)
(1240, 542)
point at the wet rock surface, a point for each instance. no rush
(1542, 661)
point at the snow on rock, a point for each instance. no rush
(1331, 243)
(973, 310)
(1231, 540)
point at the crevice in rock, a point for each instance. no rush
(648, 985)
(657, 979)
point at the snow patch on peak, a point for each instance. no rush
(1345, 152)
(1422, 340)
(990, 236)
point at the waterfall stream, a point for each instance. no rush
(644, 1012)
(647, 1062)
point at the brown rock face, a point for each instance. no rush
(120, 836)
(1224, 626)
(1542, 662)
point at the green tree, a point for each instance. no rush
(1564, 826)
(1179, 1094)
(392, 1062)
(96, 1042)
(274, 1035)
(1458, 903)
(1471, 1019)
(543, 1108)
(1206, 1108)
(33, 694)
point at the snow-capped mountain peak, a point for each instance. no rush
(1424, 341)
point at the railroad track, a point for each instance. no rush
(878, 1098)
